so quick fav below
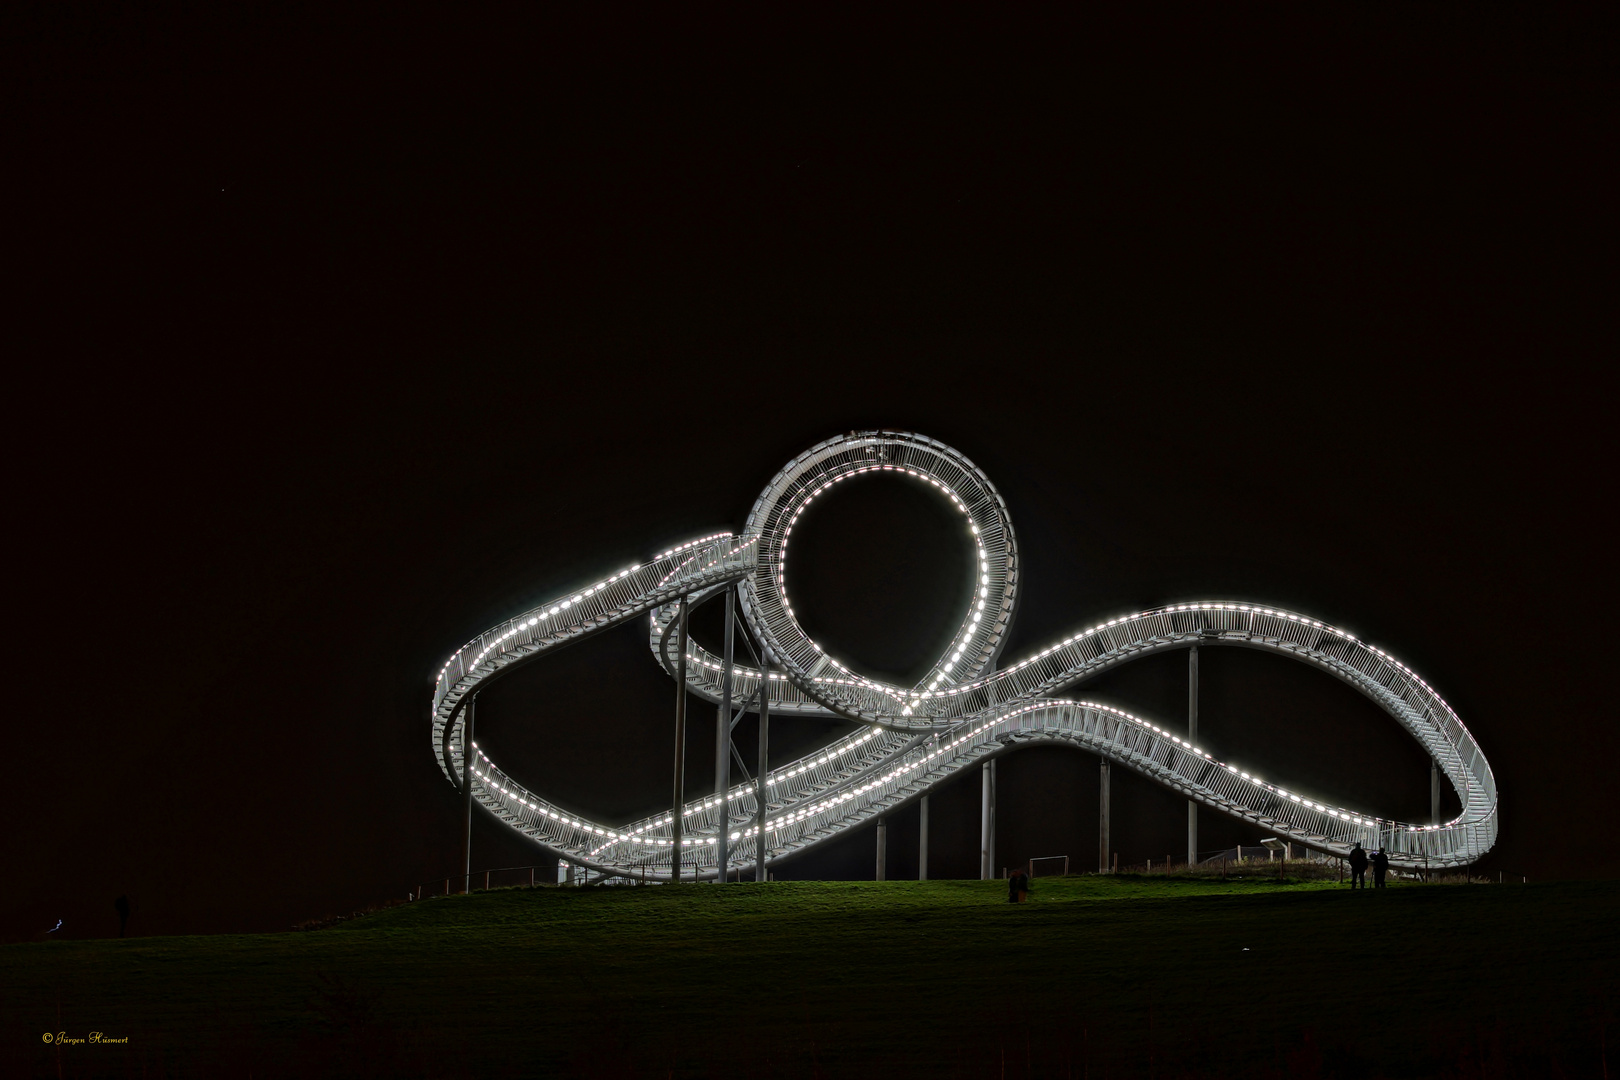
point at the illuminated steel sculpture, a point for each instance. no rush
(960, 713)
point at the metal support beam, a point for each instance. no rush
(467, 752)
(677, 832)
(742, 710)
(922, 843)
(992, 842)
(722, 745)
(987, 823)
(883, 849)
(1192, 737)
(1434, 793)
(762, 772)
(1104, 776)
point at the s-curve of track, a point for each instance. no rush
(962, 712)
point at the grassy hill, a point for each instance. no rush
(1095, 977)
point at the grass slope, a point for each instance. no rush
(1097, 976)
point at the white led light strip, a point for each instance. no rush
(960, 712)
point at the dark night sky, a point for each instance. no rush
(345, 337)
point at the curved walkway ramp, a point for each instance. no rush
(961, 712)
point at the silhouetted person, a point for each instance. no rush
(122, 905)
(1358, 867)
(1380, 865)
(1017, 887)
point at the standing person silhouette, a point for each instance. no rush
(1380, 865)
(1358, 867)
(122, 906)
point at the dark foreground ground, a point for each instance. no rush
(1096, 977)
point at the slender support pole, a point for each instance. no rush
(722, 748)
(764, 769)
(677, 832)
(922, 843)
(1104, 776)
(467, 752)
(987, 823)
(1192, 737)
(1434, 793)
(992, 816)
(883, 849)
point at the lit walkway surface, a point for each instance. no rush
(964, 710)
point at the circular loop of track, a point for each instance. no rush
(977, 641)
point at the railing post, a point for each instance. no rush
(764, 768)
(466, 786)
(722, 745)
(677, 833)
(1192, 738)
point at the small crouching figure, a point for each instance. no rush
(1017, 887)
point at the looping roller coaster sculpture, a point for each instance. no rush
(962, 712)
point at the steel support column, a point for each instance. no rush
(987, 823)
(883, 849)
(722, 746)
(1192, 737)
(922, 842)
(677, 834)
(992, 841)
(467, 752)
(1104, 776)
(1434, 793)
(763, 771)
